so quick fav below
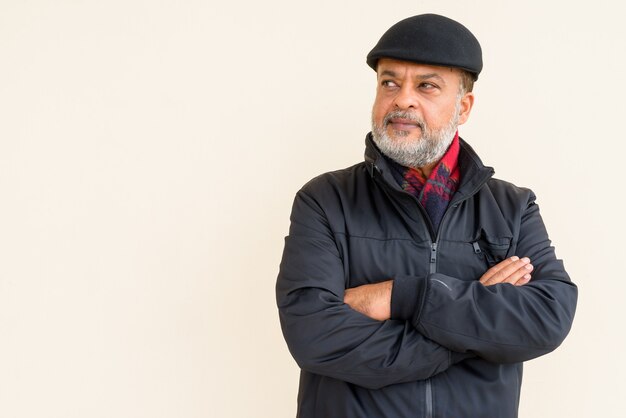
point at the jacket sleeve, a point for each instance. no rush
(326, 336)
(501, 323)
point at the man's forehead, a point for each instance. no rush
(393, 67)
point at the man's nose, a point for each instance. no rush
(406, 98)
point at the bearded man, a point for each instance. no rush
(414, 284)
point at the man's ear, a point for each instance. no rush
(467, 102)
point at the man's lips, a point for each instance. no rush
(403, 124)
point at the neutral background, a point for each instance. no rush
(150, 152)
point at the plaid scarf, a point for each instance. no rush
(436, 191)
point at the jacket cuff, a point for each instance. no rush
(407, 297)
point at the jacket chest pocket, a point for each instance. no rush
(492, 249)
(469, 259)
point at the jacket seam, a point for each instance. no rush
(379, 239)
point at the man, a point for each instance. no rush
(414, 284)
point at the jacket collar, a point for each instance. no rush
(473, 172)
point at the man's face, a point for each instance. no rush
(417, 110)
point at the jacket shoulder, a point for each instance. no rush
(335, 181)
(508, 193)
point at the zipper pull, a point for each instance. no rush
(433, 252)
(374, 170)
(433, 258)
(476, 248)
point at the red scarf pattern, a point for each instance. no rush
(436, 191)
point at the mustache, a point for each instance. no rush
(403, 114)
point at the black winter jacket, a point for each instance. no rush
(454, 347)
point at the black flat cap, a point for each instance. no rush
(430, 39)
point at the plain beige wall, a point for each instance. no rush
(150, 151)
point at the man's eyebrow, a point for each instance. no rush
(389, 73)
(431, 75)
(427, 76)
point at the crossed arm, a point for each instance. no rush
(374, 300)
(503, 317)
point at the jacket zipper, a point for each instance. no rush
(433, 269)
(433, 262)
(433, 258)
(429, 386)
(429, 399)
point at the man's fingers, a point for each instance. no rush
(495, 269)
(510, 273)
(519, 274)
(524, 280)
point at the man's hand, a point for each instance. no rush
(513, 270)
(373, 300)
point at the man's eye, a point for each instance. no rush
(389, 83)
(427, 86)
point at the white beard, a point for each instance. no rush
(426, 150)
